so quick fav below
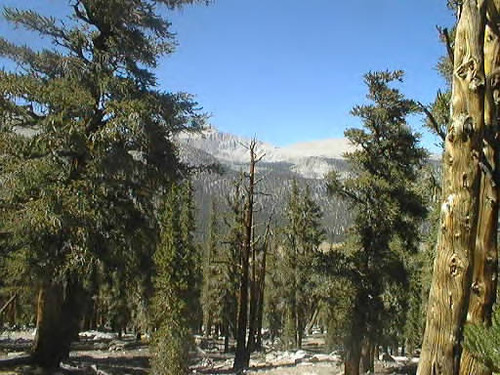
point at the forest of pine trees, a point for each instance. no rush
(100, 228)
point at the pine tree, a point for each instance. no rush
(86, 146)
(231, 259)
(212, 277)
(381, 190)
(175, 279)
(302, 237)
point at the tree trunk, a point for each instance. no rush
(353, 343)
(242, 355)
(225, 328)
(483, 288)
(365, 361)
(58, 317)
(254, 302)
(262, 286)
(352, 357)
(450, 288)
(312, 321)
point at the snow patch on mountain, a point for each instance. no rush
(309, 159)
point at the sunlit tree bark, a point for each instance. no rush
(464, 280)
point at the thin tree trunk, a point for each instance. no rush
(449, 294)
(8, 303)
(242, 355)
(312, 320)
(262, 285)
(226, 336)
(254, 301)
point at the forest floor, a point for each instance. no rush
(103, 353)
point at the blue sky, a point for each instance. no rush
(290, 70)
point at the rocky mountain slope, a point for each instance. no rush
(310, 160)
(306, 163)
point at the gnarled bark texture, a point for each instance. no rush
(449, 294)
(465, 270)
(484, 274)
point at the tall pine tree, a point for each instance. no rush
(302, 236)
(381, 190)
(175, 284)
(85, 139)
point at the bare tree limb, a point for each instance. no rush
(433, 121)
(445, 36)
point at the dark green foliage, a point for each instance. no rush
(382, 191)
(86, 145)
(211, 276)
(175, 292)
(292, 295)
(220, 283)
(483, 342)
(79, 187)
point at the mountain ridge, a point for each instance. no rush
(307, 159)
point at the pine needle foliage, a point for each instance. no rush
(302, 235)
(86, 142)
(381, 189)
(484, 342)
(213, 281)
(176, 275)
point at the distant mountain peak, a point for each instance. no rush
(308, 159)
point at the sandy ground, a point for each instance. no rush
(102, 354)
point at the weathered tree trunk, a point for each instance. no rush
(450, 289)
(262, 286)
(58, 317)
(484, 280)
(254, 301)
(242, 355)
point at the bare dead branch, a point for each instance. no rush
(445, 37)
(433, 121)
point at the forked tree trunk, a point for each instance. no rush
(451, 283)
(483, 288)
